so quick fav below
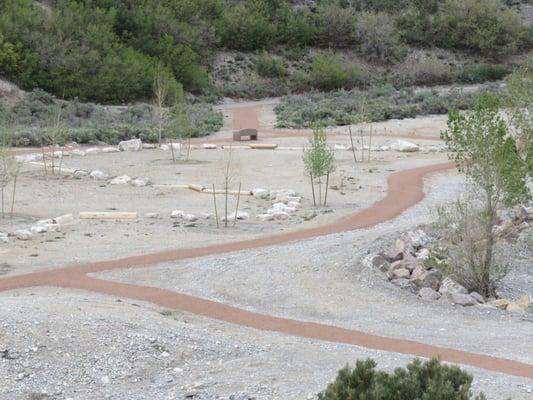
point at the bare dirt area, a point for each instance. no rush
(351, 188)
(166, 305)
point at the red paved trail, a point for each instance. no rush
(405, 189)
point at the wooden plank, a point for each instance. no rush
(264, 146)
(108, 215)
(230, 192)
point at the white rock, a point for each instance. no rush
(23, 234)
(93, 150)
(152, 215)
(423, 254)
(384, 148)
(403, 146)
(339, 147)
(241, 215)
(293, 204)
(209, 146)
(120, 180)
(110, 150)
(80, 173)
(280, 215)
(52, 227)
(29, 157)
(260, 193)
(130, 145)
(149, 146)
(78, 152)
(98, 175)
(164, 147)
(36, 229)
(177, 214)
(140, 182)
(418, 238)
(296, 199)
(206, 215)
(63, 219)
(265, 217)
(4, 237)
(189, 217)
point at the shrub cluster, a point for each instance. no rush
(377, 104)
(90, 123)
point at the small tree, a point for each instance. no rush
(9, 171)
(319, 161)
(55, 135)
(166, 91)
(180, 127)
(480, 143)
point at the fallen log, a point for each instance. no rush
(264, 146)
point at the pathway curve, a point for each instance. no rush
(405, 189)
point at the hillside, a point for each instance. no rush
(109, 51)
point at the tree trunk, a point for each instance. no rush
(13, 197)
(487, 264)
(172, 151)
(313, 189)
(326, 194)
(237, 208)
(369, 143)
(215, 203)
(61, 160)
(188, 148)
(353, 147)
(44, 161)
(2, 202)
(226, 203)
(319, 190)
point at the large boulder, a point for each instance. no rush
(401, 273)
(403, 146)
(428, 279)
(449, 286)
(380, 262)
(131, 145)
(462, 299)
(260, 193)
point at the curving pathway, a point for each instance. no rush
(405, 189)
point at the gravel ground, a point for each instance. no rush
(323, 280)
(75, 345)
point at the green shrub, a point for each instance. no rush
(329, 72)
(244, 29)
(269, 66)
(335, 25)
(424, 70)
(480, 73)
(480, 26)
(419, 380)
(377, 37)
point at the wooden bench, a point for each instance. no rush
(250, 133)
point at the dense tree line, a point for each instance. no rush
(108, 50)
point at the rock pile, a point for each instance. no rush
(283, 203)
(40, 227)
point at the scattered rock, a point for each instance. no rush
(98, 175)
(209, 146)
(401, 273)
(93, 150)
(479, 298)
(428, 294)
(120, 180)
(177, 214)
(429, 279)
(149, 146)
(265, 217)
(23, 234)
(308, 216)
(403, 146)
(80, 173)
(153, 215)
(280, 215)
(63, 219)
(461, 299)
(110, 150)
(260, 193)
(449, 286)
(422, 254)
(36, 229)
(241, 215)
(404, 284)
(340, 147)
(4, 237)
(130, 145)
(140, 182)
(499, 303)
(78, 152)
(418, 238)
(380, 262)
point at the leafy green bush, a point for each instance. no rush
(329, 72)
(480, 73)
(269, 66)
(419, 380)
(335, 25)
